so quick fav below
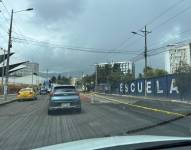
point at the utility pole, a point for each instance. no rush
(32, 76)
(8, 55)
(145, 48)
(3, 69)
(47, 74)
(8, 52)
(145, 55)
(145, 52)
(96, 79)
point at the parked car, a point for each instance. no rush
(43, 91)
(27, 94)
(64, 97)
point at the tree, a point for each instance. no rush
(183, 80)
(128, 77)
(63, 80)
(140, 76)
(88, 81)
(151, 72)
(108, 73)
(114, 77)
(59, 77)
(116, 68)
(103, 73)
(160, 72)
(116, 74)
(66, 80)
(53, 79)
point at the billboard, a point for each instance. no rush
(163, 86)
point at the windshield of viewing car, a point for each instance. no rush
(82, 69)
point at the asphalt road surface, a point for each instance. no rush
(26, 125)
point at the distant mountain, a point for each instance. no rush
(74, 74)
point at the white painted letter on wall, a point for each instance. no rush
(126, 88)
(149, 87)
(173, 87)
(140, 87)
(158, 87)
(121, 88)
(132, 87)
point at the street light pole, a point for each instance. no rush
(145, 52)
(96, 82)
(8, 55)
(8, 52)
(145, 55)
(47, 74)
(32, 76)
(3, 69)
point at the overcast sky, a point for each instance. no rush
(99, 24)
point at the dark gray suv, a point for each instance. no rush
(64, 97)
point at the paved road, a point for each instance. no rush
(26, 125)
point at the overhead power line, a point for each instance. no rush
(177, 3)
(15, 27)
(158, 50)
(85, 49)
(171, 18)
(4, 5)
(174, 5)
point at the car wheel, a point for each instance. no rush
(49, 112)
(78, 110)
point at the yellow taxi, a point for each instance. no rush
(27, 94)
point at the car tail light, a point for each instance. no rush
(51, 94)
(77, 93)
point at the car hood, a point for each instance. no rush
(97, 143)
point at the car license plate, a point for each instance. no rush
(65, 105)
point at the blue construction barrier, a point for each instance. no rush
(163, 86)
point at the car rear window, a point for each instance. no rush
(65, 89)
(43, 89)
(25, 90)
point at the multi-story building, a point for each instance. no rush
(30, 68)
(125, 66)
(178, 55)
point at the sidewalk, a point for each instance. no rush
(10, 98)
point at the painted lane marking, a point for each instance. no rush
(150, 98)
(143, 107)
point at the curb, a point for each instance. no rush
(7, 102)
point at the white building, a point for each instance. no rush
(125, 66)
(30, 68)
(177, 56)
(73, 81)
(29, 79)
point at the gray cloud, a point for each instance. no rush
(100, 24)
(54, 10)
